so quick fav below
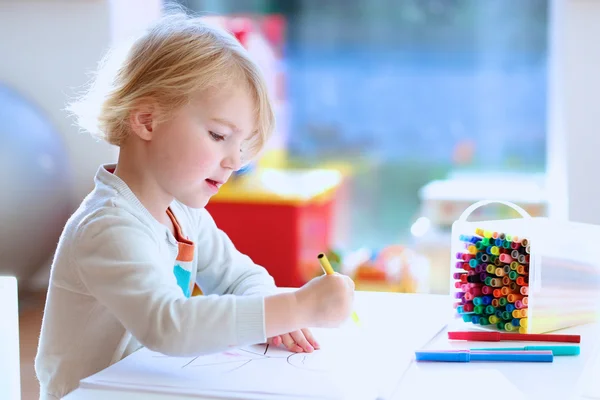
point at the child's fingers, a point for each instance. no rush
(311, 339)
(275, 340)
(301, 341)
(290, 343)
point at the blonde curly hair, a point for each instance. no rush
(177, 57)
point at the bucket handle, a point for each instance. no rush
(463, 217)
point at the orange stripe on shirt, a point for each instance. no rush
(196, 291)
(186, 246)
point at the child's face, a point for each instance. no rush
(197, 150)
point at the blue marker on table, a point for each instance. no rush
(475, 355)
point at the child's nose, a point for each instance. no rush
(233, 160)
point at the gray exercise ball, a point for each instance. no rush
(35, 187)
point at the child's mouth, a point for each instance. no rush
(214, 185)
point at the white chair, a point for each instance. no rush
(10, 364)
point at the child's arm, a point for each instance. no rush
(117, 260)
(222, 269)
(119, 264)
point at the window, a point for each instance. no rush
(410, 91)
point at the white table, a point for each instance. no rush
(557, 380)
(10, 372)
(562, 379)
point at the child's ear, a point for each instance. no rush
(142, 120)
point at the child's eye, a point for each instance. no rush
(216, 136)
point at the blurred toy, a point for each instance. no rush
(370, 272)
(394, 268)
(442, 201)
(281, 219)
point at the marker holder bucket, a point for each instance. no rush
(525, 275)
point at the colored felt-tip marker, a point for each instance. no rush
(474, 336)
(326, 265)
(473, 355)
(556, 350)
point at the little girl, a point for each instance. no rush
(187, 107)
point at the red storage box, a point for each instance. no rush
(281, 219)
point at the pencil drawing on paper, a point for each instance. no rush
(308, 361)
(238, 358)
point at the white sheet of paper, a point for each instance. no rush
(261, 369)
(445, 384)
(364, 362)
(591, 384)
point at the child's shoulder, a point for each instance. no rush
(98, 213)
(110, 206)
(104, 223)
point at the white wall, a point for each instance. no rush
(574, 141)
(48, 48)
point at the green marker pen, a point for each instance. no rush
(556, 350)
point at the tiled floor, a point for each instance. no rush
(31, 308)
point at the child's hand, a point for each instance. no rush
(327, 300)
(298, 341)
(323, 302)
